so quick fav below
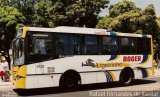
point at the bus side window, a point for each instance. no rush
(67, 44)
(110, 45)
(133, 47)
(144, 46)
(124, 45)
(91, 45)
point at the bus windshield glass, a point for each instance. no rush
(18, 52)
(39, 47)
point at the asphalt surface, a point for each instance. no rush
(141, 86)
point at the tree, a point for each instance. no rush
(77, 12)
(128, 22)
(121, 7)
(10, 18)
(41, 17)
(26, 7)
(104, 22)
(157, 42)
(4, 3)
(128, 18)
(59, 12)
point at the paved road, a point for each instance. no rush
(151, 84)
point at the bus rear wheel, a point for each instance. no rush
(69, 82)
(126, 77)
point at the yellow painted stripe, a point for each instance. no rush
(113, 76)
(126, 64)
(21, 83)
(25, 29)
(22, 71)
(148, 73)
(118, 56)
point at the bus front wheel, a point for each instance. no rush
(69, 82)
(126, 77)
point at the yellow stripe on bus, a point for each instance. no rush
(22, 71)
(113, 76)
(25, 29)
(148, 73)
(21, 83)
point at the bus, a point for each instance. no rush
(71, 56)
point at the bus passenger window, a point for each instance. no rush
(133, 48)
(124, 45)
(143, 46)
(110, 45)
(67, 44)
(91, 45)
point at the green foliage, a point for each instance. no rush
(50, 13)
(10, 18)
(127, 22)
(120, 8)
(128, 18)
(104, 22)
(41, 17)
(76, 12)
(4, 2)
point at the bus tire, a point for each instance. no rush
(126, 77)
(69, 82)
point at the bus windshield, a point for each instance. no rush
(18, 52)
(39, 47)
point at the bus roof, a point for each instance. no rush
(82, 30)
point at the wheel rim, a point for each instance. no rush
(70, 82)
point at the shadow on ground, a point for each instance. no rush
(57, 90)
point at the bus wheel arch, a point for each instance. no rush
(70, 80)
(126, 76)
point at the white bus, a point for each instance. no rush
(70, 56)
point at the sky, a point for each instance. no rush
(139, 3)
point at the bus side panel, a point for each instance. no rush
(31, 77)
(42, 81)
(54, 82)
(88, 77)
(92, 68)
(35, 79)
(137, 74)
(30, 82)
(100, 77)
